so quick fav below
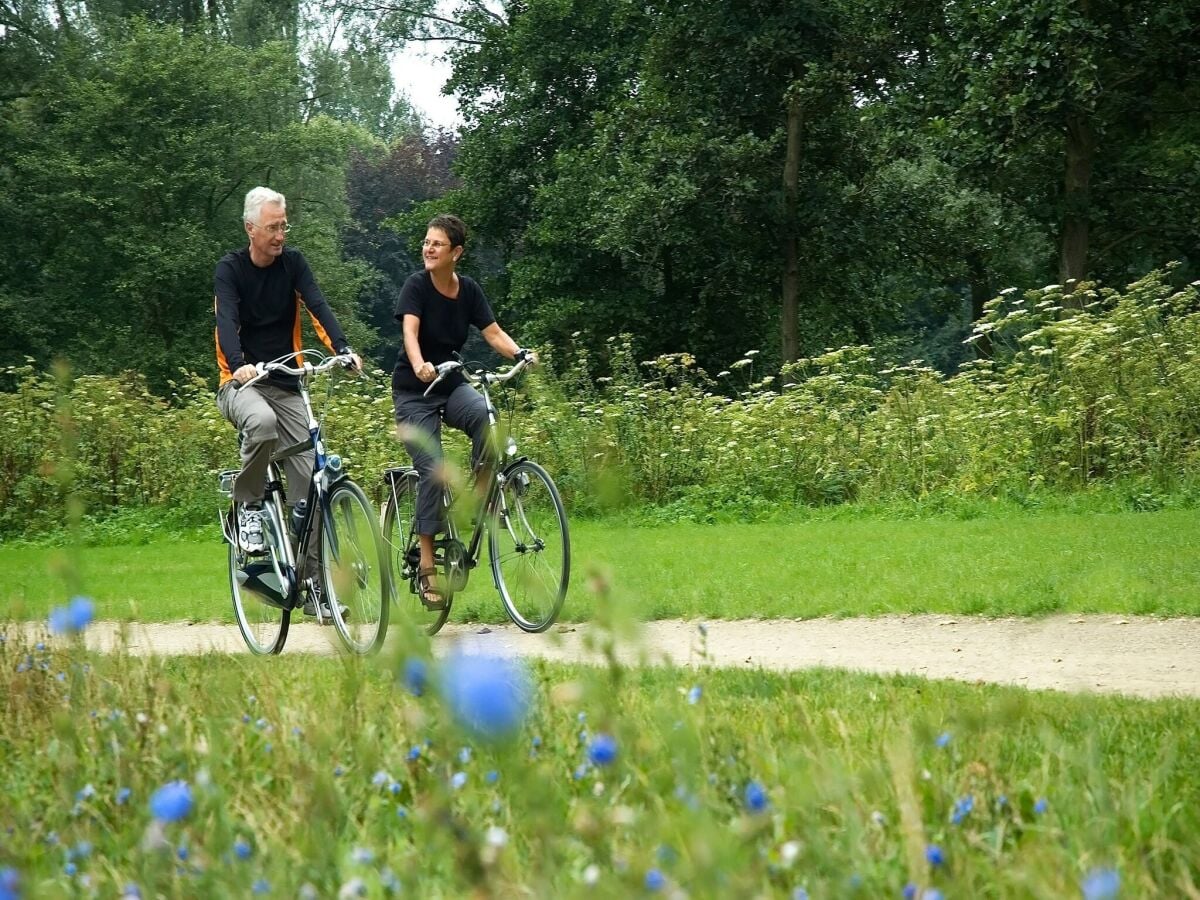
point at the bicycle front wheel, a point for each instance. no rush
(530, 547)
(264, 627)
(404, 552)
(354, 569)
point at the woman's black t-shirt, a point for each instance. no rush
(444, 326)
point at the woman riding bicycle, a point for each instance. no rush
(435, 309)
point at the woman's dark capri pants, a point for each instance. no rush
(422, 417)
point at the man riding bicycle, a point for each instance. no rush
(258, 293)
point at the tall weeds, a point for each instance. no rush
(1069, 398)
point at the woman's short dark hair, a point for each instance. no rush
(454, 227)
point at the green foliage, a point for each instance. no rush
(120, 196)
(859, 775)
(1101, 395)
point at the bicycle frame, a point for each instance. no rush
(494, 494)
(327, 471)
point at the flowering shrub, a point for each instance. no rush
(1069, 398)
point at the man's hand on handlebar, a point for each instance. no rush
(244, 374)
(426, 372)
(357, 367)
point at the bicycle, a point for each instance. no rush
(352, 562)
(522, 512)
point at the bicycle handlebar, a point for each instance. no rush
(444, 369)
(264, 369)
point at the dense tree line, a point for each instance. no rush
(708, 177)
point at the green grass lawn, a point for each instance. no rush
(321, 771)
(1019, 564)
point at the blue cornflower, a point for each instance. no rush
(458, 780)
(10, 884)
(81, 850)
(74, 617)
(86, 792)
(655, 880)
(581, 717)
(395, 787)
(380, 778)
(416, 676)
(1041, 805)
(799, 894)
(70, 869)
(931, 894)
(1101, 884)
(245, 718)
(909, 891)
(182, 853)
(414, 754)
(695, 694)
(123, 795)
(487, 695)
(464, 755)
(364, 856)
(1002, 801)
(536, 742)
(262, 886)
(579, 772)
(934, 855)
(961, 808)
(131, 892)
(242, 849)
(755, 797)
(492, 777)
(602, 750)
(338, 771)
(172, 801)
(943, 739)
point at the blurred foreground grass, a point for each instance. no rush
(329, 778)
(1010, 563)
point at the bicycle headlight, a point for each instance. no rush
(510, 447)
(334, 463)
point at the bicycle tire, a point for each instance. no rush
(530, 547)
(399, 508)
(354, 569)
(264, 627)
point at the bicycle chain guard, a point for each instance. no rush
(454, 558)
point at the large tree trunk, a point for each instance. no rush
(981, 293)
(1081, 150)
(790, 306)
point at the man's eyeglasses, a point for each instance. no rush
(437, 245)
(277, 228)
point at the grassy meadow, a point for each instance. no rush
(329, 777)
(1007, 562)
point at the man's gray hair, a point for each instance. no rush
(257, 199)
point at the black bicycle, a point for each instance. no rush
(522, 512)
(354, 578)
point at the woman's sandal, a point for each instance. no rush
(429, 589)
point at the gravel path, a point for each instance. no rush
(1138, 656)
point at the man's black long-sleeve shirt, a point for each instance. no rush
(258, 311)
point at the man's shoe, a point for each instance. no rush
(326, 614)
(250, 529)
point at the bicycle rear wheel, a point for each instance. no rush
(404, 552)
(264, 627)
(530, 547)
(354, 569)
